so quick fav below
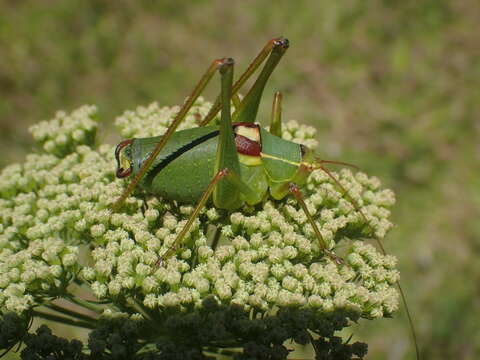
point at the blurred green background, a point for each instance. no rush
(392, 86)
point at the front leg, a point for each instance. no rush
(295, 191)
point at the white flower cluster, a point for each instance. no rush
(63, 133)
(299, 133)
(268, 256)
(153, 120)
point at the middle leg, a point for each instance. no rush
(225, 174)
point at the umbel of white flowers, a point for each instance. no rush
(56, 206)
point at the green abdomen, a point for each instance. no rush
(185, 166)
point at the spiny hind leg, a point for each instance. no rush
(277, 46)
(248, 108)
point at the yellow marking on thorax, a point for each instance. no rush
(250, 133)
(249, 160)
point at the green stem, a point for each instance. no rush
(69, 312)
(84, 304)
(63, 320)
(143, 310)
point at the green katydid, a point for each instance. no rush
(236, 162)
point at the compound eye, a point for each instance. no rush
(122, 155)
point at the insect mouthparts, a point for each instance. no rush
(124, 167)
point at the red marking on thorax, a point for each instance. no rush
(246, 146)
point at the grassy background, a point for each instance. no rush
(392, 86)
